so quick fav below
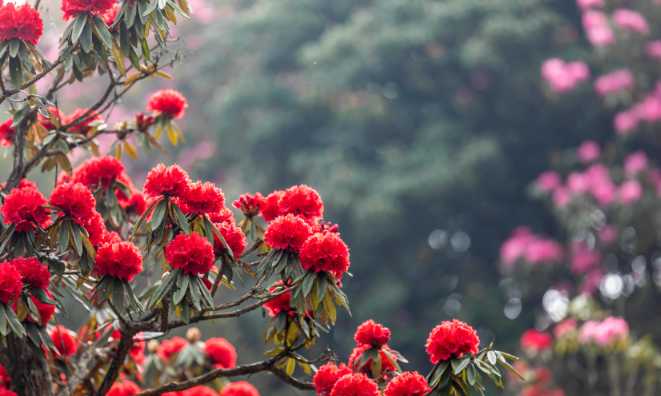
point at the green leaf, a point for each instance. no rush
(148, 292)
(133, 58)
(41, 296)
(195, 293)
(206, 294)
(459, 364)
(159, 213)
(209, 225)
(437, 372)
(131, 11)
(162, 289)
(105, 288)
(152, 7)
(135, 303)
(86, 38)
(471, 373)
(102, 31)
(145, 48)
(492, 357)
(63, 237)
(118, 294)
(77, 237)
(178, 10)
(15, 325)
(142, 8)
(142, 219)
(322, 286)
(14, 46)
(181, 219)
(510, 368)
(185, 314)
(20, 115)
(25, 59)
(3, 48)
(33, 334)
(124, 39)
(183, 287)
(3, 323)
(16, 74)
(120, 13)
(308, 281)
(78, 26)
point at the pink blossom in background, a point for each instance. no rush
(597, 173)
(597, 29)
(654, 176)
(594, 19)
(608, 234)
(583, 259)
(543, 251)
(588, 151)
(649, 109)
(588, 332)
(625, 122)
(630, 21)
(548, 181)
(577, 183)
(561, 197)
(634, 163)
(562, 76)
(604, 193)
(189, 156)
(514, 247)
(524, 244)
(630, 192)
(653, 49)
(591, 282)
(612, 330)
(203, 11)
(587, 4)
(614, 82)
(564, 327)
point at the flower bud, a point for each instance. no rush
(165, 275)
(152, 346)
(193, 334)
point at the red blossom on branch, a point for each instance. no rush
(234, 238)
(371, 333)
(386, 364)
(271, 206)
(74, 198)
(84, 127)
(250, 205)
(287, 232)
(534, 340)
(32, 272)
(221, 353)
(327, 376)
(355, 385)
(21, 184)
(168, 102)
(7, 133)
(199, 391)
(171, 347)
(63, 339)
(10, 282)
(125, 388)
(240, 388)
(407, 384)
(7, 392)
(203, 198)
(192, 253)
(325, 252)
(46, 311)
(109, 16)
(302, 201)
(119, 259)
(24, 206)
(71, 8)
(451, 339)
(280, 303)
(224, 215)
(46, 122)
(171, 181)
(22, 22)
(101, 171)
(96, 229)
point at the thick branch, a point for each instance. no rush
(125, 343)
(291, 380)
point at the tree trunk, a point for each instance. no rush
(23, 368)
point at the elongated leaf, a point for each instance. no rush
(14, 47)
(78, 26)
(206, 294)
(511, 369)
(3, 323)
(41, 296)
(181, 219)
(102, 31)
(118, 294)
(195, 293)
(135, 303)
(105, 288)
(15, 73)
(119, 57)
(159, 213)
(308, 281)
(124, 39)
(86, 38)
(131, 12)
(3, 48)
(162, 289)
(13, 321)
(63, 237)
(322, 286)
(152, 7)
(458, 365)
(181, 293)
(77, 237)
(120, 14)
(142, 218)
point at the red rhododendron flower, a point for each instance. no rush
(71, 8)
(75, 199)
(371, 333)
(407, 384)
(46, 122)
(287, 232)
(46, 311)
(240, 388)
(32, 272)
(355, 385)
(234, 238)
(328, 375)
(21, 184)
(302, 201)
(65, 342)
(386, 364)
(144, 122)
(120, 259)
(24, 206)
(137, 347)
(10, 282)
(109, 16)
(224, 215)
(451, 339)
(7, 392)
(280, 303)
(328, 226)
(5, 379)
(250, 205)
(221, 353)
(122, 199)
(199, 391)
(271, 206)
(325, 252)
(168, 348)
(7, 133)
(168, 102)
(192, 253)
(102, 171)
(533, 340)
(22, 22)
(203, 198)
(84, 127)
(169, 182)
(137, 203)
(126, 388)
(96, 229)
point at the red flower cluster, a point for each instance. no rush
(10, 282)
(534, 341)
(240, 388)
(198, 391)
(126, 388)
(328, 226)
(143, 122)
(24, 206)
(168, 182)
(7, 133)
(59, 115)
(96, 229)
(280, 303)
(168, 102)
(22, 22)
(75, 199)
(109, 16)
(65, 342)
(84, 127)
(234, 238)
(32, 272)
(203, 198)
(46, 311)
(386, 364)
(137, 347)
(192, 253)
(5, 379)
(270, 208)
(451, 339)
(301, 201)
(224, 215)
(7, 392)
(325, 252)
(221, 353)
(250, 205)
(71, 8)
(328, 375)
(287, 232)
(21, 184)
(371, 333)
(120, 259)
(171, 347)
(101, 171)
(355, 385)
(407, 384)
